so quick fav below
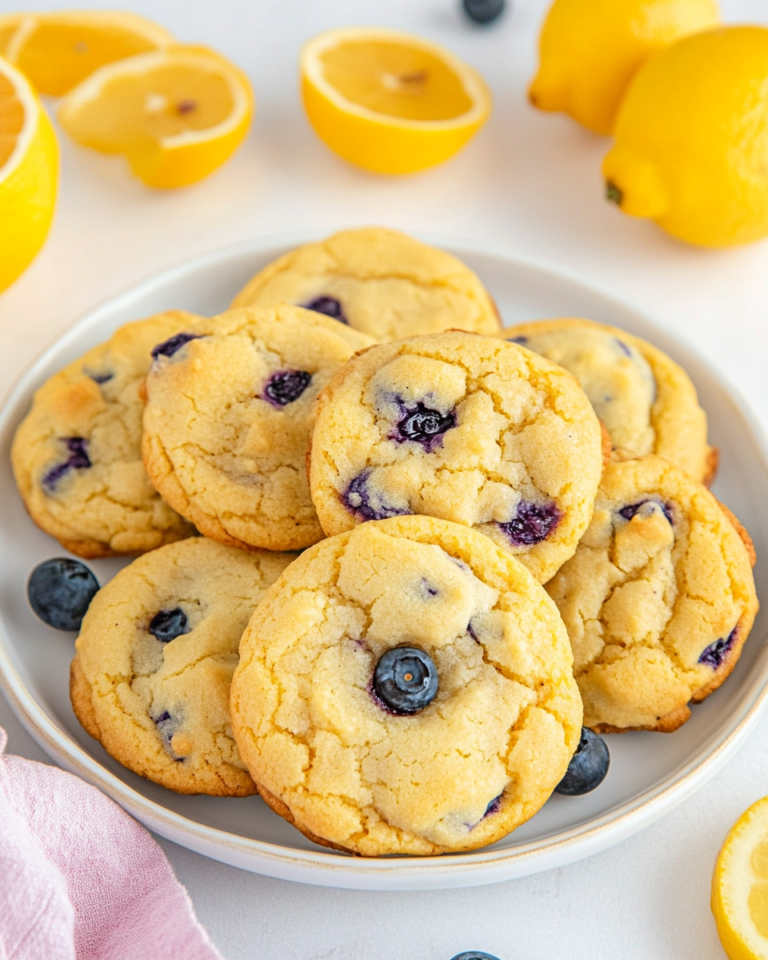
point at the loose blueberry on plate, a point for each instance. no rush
(405, 680)
(474, 955)
(60, 590)
(483, 11)
(588, 766)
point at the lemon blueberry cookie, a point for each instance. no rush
(228, 417)
(406, 687)
(77, 454)
(381, 282)
(658, 599)
(466, 428)
(155, 656)
(645, 400)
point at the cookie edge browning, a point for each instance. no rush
(449, 539)
(682, 389)
(244, 297)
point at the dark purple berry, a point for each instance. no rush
(365, 504)
(405, 680)
(624, 348)
(78, 459)
(532, 523)
(329, 306)
(285, 386)
(634, 508)
(167, 727)
(483, 11)
(715, 653)
(169, 624)
(168, 347)
(474, 955)
(99, 377)
(60, 591)
(494, 806)
(588, 766)
(424, 425)
(521, 340)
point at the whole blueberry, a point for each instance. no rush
(483, 11)
(169, 624)
(424, 425)
(532, 523)
(60, 590)
(405, 680)
(285, 386)
(588, 766)
(474, 955)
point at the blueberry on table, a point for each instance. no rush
(474, 955)
(405, 680)
(588, 766)
(60, 590)
(483, 11)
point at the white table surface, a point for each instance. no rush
(530, 183)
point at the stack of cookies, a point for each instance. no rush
(504, 535)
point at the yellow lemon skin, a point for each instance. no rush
(740, 887)
(589, 50)
(28, 189)
(370, 107)
(691, 139)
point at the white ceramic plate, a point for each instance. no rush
(649, 774)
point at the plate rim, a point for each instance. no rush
(327, 868)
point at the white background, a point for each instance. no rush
(529, 183)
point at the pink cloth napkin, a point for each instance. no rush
(80, 879)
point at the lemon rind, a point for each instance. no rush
(471, 81)
(90, 89)
(32, 110)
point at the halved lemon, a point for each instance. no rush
(56, 51)
(388, 101)
(176, 114)
(740, 886)
(29, 170)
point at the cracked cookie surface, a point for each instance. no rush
(467, 769)
(646, 401)
(464, 428)
(77, 454)
(158, 645)
(228, 418)
(658, 599)
(379, 281)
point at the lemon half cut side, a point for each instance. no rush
(176, 114)
(388, 101)
(29, 168)
(740, 886)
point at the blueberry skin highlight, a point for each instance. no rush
(483, 11)
(421, 424)
(588, 766)
(60, 591)
(169, 624)
(405, 680)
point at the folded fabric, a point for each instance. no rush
(80, 879)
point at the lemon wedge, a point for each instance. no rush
(176, 114)
(388, 101)
(29, 168)
(9, 24)
(740, 886)
(56, 51)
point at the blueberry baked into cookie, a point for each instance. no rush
(77, 454)
(228, 418)
(470, 429)
(155, 656)
(379, 281)
(407, 688)
(645, 400)
(658, 600)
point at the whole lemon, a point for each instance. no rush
(589, 50)
(691, 147)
